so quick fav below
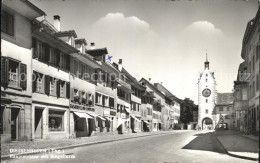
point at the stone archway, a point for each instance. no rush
(207, 124)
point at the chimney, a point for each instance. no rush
(92, 45)
(149, 79)
(120, 64)
(56, 22)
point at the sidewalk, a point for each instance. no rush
(238, 145)
(70, 143)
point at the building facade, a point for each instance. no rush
(206, 96)
(16, 72)
(250, 53)
(224, 112)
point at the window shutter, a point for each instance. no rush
(47, 53)
(72, 94)
(96, 98)
(4, 71)
(47, 84)
(34, 82)
(103, 100)
(34, 46)
(58, 87)
(67, 62)
(57, 53)
(68, 90)
(23, 76)
(80, 96)
(92, 100)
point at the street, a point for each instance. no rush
(188, 146)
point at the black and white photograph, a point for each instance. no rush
(130, 81)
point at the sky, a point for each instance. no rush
(164, 40)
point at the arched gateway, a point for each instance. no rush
(206, 96)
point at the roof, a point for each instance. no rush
(249, 28)
(95, 52)
(48, 29)
(224, 99)
(132, 79)
(28, 3)
(81, 41)
(66, 33)
(167, 92)
(153, 87)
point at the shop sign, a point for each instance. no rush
(81, 107)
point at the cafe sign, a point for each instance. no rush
(81, 107)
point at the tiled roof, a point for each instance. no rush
(133, 79)
(224, 99)
(95, 52)
(66, 33)
(80, 41)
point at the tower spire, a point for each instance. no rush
(206, 62)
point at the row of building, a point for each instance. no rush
(54, 86)
(247, 85)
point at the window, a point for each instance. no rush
(206, 75)
(2, 119)
(253, 64)
(98, 99)
(207, 111)
(63, 89)
(206, 80)
(53, 87)
(76, 95)
(250, 67)
(13, 73)
(75, 67)
(7, 23)
(227, 117)
(83, 97)
(105, 100)
(111, 102)
(56, 120)
(257, 82)
(228, 109)
(53, 57)
(90, 100)
(63, 60)
(206, 100)
(40, 83)
(220, 108)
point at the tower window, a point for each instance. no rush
(206, 80)
(207, 111)
(206, 100)
(206, 75)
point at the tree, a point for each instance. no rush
(187, 107)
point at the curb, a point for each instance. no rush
(7, 157)
(234, 155)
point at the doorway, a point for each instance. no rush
(38, 124)
(14, 124)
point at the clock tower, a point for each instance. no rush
(206, 96)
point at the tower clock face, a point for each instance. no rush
(206, 92)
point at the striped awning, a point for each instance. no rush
(82, 115)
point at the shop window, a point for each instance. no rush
(56, 120)
(7, 25)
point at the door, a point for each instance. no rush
(14, 123)
(38, 124)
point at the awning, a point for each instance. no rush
(93, 114)
(155, 120)
(127, 109)
(136, 118)
(101, 118)
(108, 119)
(120, 121)
(82, 115)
